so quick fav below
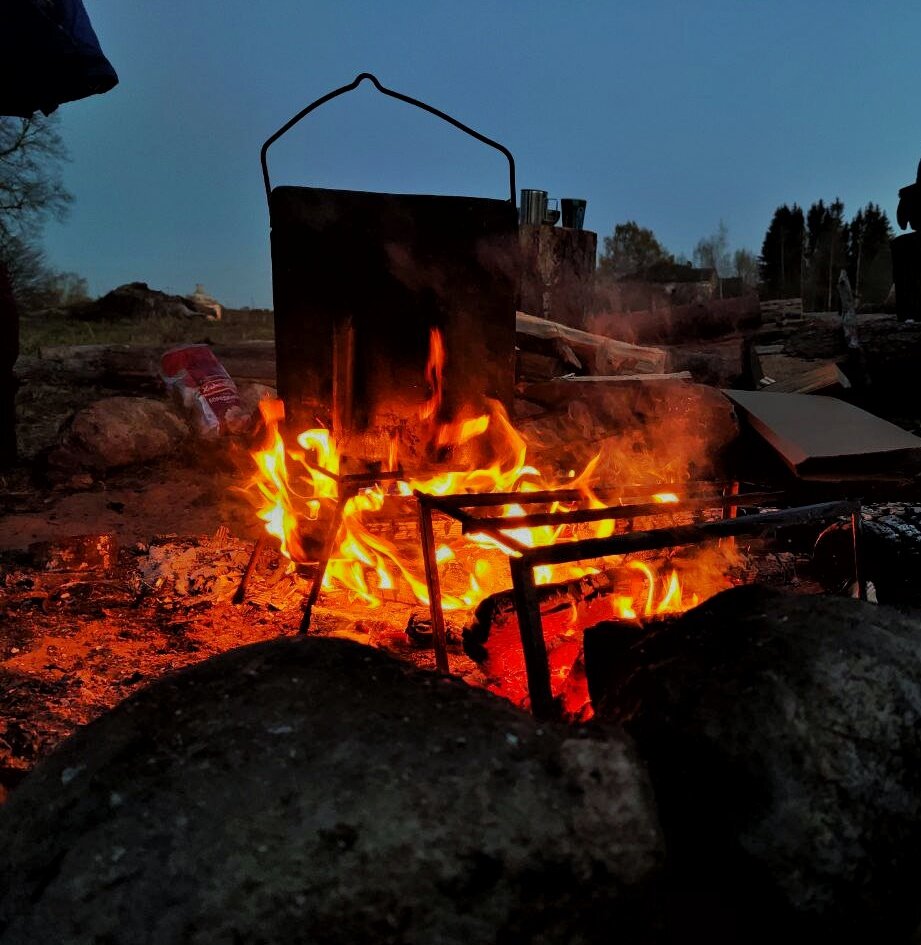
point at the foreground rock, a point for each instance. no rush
(119, 431)
(311, 790)
(782, 738)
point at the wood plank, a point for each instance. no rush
(821, 377)
(562, 390)
(600, 355)
(822, 437)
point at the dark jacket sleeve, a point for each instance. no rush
(49, 54)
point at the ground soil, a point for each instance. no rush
(74, 645)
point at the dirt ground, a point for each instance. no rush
(75, 643)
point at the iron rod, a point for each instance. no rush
(530, 626)
(527, 606)
(857, 536)
(433, 584)
(616, 512)
(683, 534)
(471, 500)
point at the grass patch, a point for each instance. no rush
(47, 329)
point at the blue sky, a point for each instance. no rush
(675, 114)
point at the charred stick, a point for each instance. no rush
(240, 594)
(323, 560)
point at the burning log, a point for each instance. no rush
(397, 806)
(781, 734)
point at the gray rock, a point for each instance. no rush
(315, 790)
(781, 734)
(119, 431)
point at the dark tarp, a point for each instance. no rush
(49, 54)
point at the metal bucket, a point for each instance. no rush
(360, 280)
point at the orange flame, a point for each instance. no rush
(670, 595)
(434, 370)
(296, 490)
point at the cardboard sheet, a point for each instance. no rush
(822, 438)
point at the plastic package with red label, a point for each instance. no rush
(208, 394)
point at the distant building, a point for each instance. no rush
(683, 284)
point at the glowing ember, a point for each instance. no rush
(663, 596)
(296, 490)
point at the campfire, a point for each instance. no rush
(389, 541)
(586, 512)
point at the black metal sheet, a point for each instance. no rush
(392, 266)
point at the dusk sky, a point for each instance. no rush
(674, 114)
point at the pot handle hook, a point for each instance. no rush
(398, 95)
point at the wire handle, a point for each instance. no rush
(398, 95)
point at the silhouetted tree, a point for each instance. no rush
(629, 250)
(781, 260)
(869, 259)
(31, 189)
(31, 192)
(826, 253)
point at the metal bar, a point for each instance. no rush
(859, 573)
(240, 594)
(513, 544)
(527, 607)
(470, 524)
(368, 478)
(616, 512)
(683, 534)
(476, 499)
(372, 477)
(733, 490)
(322, 471)
(433, 584)
(446, 508)
(323, 562)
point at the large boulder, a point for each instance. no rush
(119, 431)
(781, 734)
(315, 790)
